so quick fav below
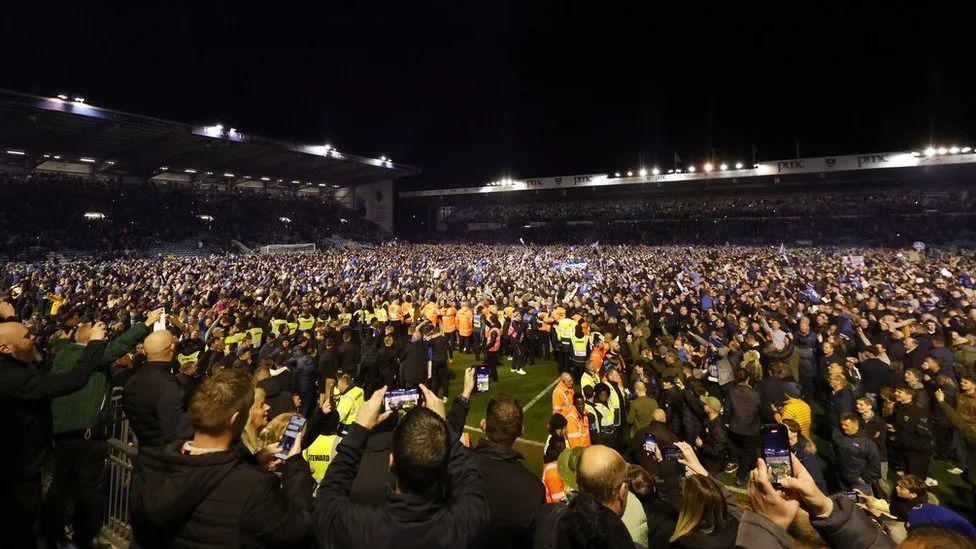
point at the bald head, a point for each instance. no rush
(640, 389)
(602, 473)
(566, 379)
(159, 346)
(17, 342)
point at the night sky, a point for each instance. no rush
(474, 92)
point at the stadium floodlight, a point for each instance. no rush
(265, 179)
(79, 99)
(943, 150)
(284, 219)
(656, 171)
(916, 154)
(966, 149)
(755, 166)
(335, 186)
(643, 172)
(930, 151)
(383, 158)
(295, 181)
(708, 166)
(321, 184)
(206, 217)
(738, 165)
(93, 216)
(189, 170)
(616, 174)
(88, 160)
(343, 220)
(163, 168)
(228, 174)
(691, 169)
(954, 149)
(723, 167)
(57, 157)
(110, 162)
(209, 173)
(630, 174)
(62, 97)
(335, 153)
(678, 170)
(18, 153)
(670, 171)
(47, 156)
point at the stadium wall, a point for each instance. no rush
(375, 202)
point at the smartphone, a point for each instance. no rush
(291, 433)
(481, 379)
(650, 444)
(160, 324)
(852, 495)
(776, 453)
(672, 452)
(401, 399)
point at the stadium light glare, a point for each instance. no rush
(954, 149)
(738, 165)
(630, 174)
(62, 97)
(206, 217)
(47, 156)
(93, 216)
(656, 171)
(295, 181)
(966, 149)
(943, 150)
(678, 170)
(930, 151)
(265, 179)
(189, 170)
(79, 99)
(321, 184)
(18, 153)
(383, 158)
(755, 166)
(691, 169)
(57, 157)
(643, 172)
(670, 171)
(916, 154)
(708, 166)
(335, 153)
(284, 219)
(723, 167)
(616, 174)
(228, 174)
(88, 160)
(209, 173)
(163, 168)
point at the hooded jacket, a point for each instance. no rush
(220, 499)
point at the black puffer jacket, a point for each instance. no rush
(218, 500)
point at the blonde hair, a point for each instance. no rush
(702, 507)
(250, 437)
(275, 428)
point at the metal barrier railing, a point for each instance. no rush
(122, 451)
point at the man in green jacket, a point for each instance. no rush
(80, 447)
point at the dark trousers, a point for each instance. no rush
(24, 500)
(745, 449)
(562, 358)
(477, 343)
(79, 470)
(491, 361)
(439, 380)
(465, 343)
(531, 350)
(917, 463)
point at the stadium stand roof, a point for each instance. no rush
(141, 145)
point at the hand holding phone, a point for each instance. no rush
(481, 379)
(401, 399)
(291, 437)
(776, 453)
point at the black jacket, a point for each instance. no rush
(514, 495)
(404, 520)
(771, 391)
(857, 458)
(715, 445)
(874, 375)
(154, 403)
(218, 500)
(25, 400)
(743, 410)
(440, 349)
(277, 391)
(349, 357)
(328, 362)
(413, 364)
(912, 431)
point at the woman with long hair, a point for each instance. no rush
(709, 516)
(257, 420)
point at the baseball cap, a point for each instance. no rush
(792, 389)
(942, 517)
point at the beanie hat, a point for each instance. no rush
(712, 402)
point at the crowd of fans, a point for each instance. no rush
(50, 216)
(863, 216)
(865, 357)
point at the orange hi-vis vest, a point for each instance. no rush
(555, 487)
(545, 322)
(430, 312)
(449, 318)
(577, 430)
(465, 322)
(394, 312)
(498, 339)
(562, 399)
